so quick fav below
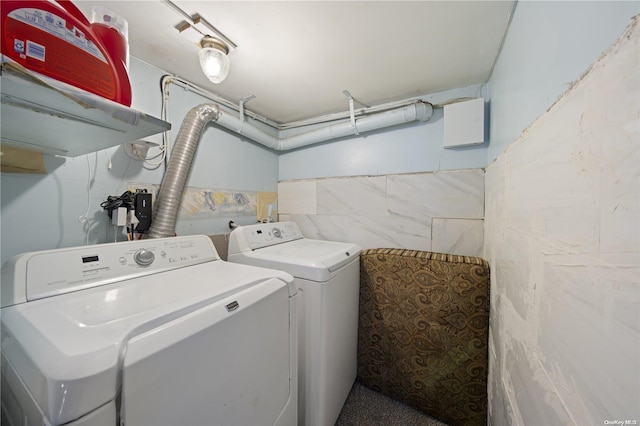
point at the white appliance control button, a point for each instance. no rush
(276, 233)
(144, 257)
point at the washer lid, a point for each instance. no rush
(306, 258)
(68, 349)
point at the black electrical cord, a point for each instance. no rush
(112, 202)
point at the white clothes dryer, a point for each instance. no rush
(150, 332)
(327, 274)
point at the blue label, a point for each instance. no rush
(18, 45)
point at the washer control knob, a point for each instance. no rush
(144, 257)
(276, 232)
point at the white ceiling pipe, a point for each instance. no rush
(420, 111)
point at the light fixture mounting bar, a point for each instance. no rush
(199, 23)
(191, 33)
(203, 25)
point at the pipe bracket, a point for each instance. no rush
(241, 107)
(352, 113)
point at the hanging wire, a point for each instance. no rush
(84, 219)
(124, 175)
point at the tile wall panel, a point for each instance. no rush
(391, 210)
(456, 194)
(297, 197)
(459, 236)
(354, 196)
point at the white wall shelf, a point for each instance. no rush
(43, 115)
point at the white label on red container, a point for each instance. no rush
(57, 26)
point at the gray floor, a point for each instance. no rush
(365, 407)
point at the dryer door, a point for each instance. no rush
(224, 364)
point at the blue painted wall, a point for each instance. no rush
(549, 45)
(410, 148)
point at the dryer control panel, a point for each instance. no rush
(268, 234)
(37, 275)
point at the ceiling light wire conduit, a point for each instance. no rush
(418, 111)
(169, 196)
(168, 79)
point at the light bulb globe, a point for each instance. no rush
(214, 61)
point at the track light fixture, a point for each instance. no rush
(214, 45)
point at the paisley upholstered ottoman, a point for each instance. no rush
(423, 331)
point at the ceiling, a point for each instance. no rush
(297, 57)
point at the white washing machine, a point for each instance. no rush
(327, 274)
(150, 332)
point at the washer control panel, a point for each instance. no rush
(53, 272)
(268, 234)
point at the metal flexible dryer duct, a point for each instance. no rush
(169, 197)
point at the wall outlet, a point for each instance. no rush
(138, 149)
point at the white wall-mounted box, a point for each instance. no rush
(464, 123)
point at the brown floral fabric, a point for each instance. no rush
(423, 331)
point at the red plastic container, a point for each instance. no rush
(55, 39)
